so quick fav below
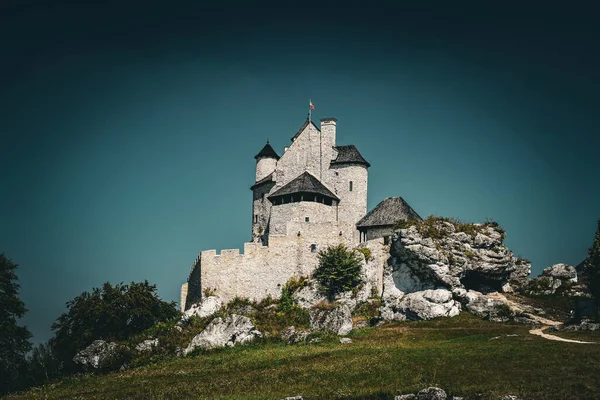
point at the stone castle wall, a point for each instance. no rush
(262, 271)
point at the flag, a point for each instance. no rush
(312, 107)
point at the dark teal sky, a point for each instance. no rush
(128, 130)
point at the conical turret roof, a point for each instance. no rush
(267, 151)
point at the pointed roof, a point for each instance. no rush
(388, 212)
(267, 151)
(349, 155)
(304, 127)
(305, 183)
(266, 179)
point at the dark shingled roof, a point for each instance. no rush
(267, 151)
(305, 183)
(302, 128)
(349, 155)
(266, 179)
(388, 212)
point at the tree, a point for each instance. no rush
(592, 265)
(14, 339)
(108, 313)
(339, 270)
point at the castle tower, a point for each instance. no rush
(350, 174)
(266, 161)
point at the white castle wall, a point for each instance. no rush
(264, 166)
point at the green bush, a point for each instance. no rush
(592, 265)
(108, 313)
(339, 270)
(365, 251)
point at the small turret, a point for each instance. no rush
(266, 160)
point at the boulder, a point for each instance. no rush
(336, 320)
(345, 340)
(99, 354)
(228, 332)
(431, 393)
(563, 272)
(207, 307)
(425, 304)
(292, 336)
(429, 274)
(147, 345)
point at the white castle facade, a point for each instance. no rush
(312, 197)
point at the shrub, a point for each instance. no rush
(339, 270)
(365, 251)
(108, 313)
(592, 265)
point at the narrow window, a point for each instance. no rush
(350, 185)
(306, 219)
(255, 218)
(313, 248)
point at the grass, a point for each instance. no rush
(586, 336)
(457, 354)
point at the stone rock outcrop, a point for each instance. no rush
(147, 345)
(558, 279)
(445, 270)
(431, 393)
(337, 320)
(99, 354)
(207, 307)
(292, 336)
(228, 332)
(425, 304)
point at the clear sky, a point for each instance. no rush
(128, 129)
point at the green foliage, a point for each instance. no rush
(365, 251)
(42, 365)
(209, 292)
(108, 313)
(287, 302)
(431, 227)
(339, 270)
(592, 265)
(469, 254)
(14, 339)
(368, 310)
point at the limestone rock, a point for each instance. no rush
(429, 278)
(207, 307)
(337, 320)
(345, 340)
(99, 354)
(425, 304)
(564, 272)
(228, 332)
(361, 324)
(431, 393)
(292, 336)
(147, 345)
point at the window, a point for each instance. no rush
(255, 218)
(350, 185)
(313, 248)
(306, 219)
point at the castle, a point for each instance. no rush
(312, 196)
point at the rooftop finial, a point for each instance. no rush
(267, 140)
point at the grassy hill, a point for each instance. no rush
(464, 355)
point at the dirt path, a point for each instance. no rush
(546, 323)
(540, 332)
